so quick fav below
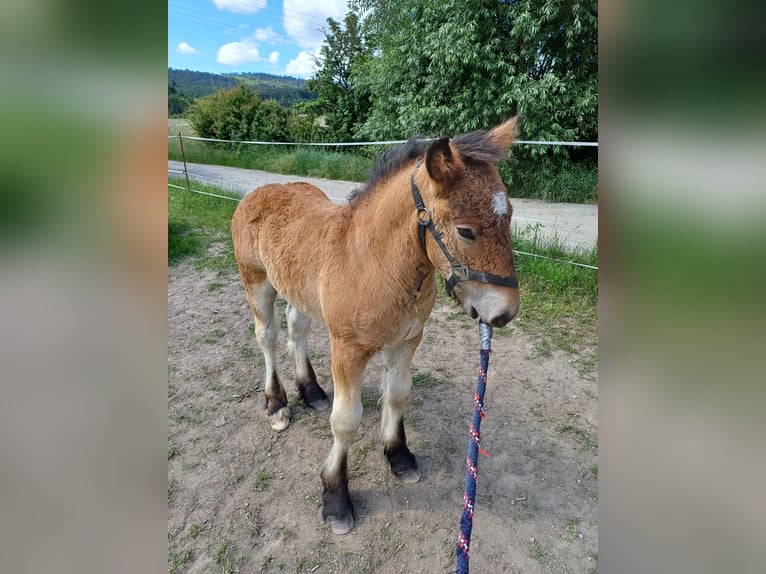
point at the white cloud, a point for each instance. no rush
(235, 53)
(268, 35)
(274, 58)
(302, 66)
(303, 18)
(184, 48)
(240, 6)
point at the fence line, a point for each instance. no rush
(514, 251)
(204, 193)
(389, 142)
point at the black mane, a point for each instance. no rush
(389, 163)
(472, 146)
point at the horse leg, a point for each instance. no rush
(348, 364)
(397, 383)
(298, 326)
(261, 296)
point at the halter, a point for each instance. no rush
(459, 272)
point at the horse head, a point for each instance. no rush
(463, 202)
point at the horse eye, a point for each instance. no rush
(465, 232)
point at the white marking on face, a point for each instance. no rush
(500, 203)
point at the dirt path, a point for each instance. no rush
(242, 498)
(575, 224)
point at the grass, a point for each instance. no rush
(559, 301)
(262, 479)
(228, 558)
(199, 227)
(424, 380)
(293, 160)
(582, 437)
(177, 560)
(215, 336)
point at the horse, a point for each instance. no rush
(367, 268)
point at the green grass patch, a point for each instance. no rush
(559, 301)
(424, 380)
(369, 401)
(582, 437)
(177, 560)
(215, 336)
(352, 165)
(199, 226)
(262, 479)
(228, 558)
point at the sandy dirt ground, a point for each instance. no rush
(243, 498)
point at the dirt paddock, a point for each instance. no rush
(243, 498)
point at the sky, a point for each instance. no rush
(279, 37)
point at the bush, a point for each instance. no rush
(239, 114)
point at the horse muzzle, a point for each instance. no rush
(495, 306)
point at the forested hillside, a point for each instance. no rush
(185, 86)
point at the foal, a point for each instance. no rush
(368, 270)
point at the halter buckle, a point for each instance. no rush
(424, 221)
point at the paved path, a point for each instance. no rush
(575, 224)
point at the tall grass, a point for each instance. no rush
(199, 226)
(307, 161)
(559, 301)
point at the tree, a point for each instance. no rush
(448, 66)
(239, 114)
(341, 98)
(442, 67)
(177, 103)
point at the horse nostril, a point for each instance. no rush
(502, 320)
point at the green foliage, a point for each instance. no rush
(186, 86)
(443, 67)
(239, 114)
(197, 84)
(177, 103)
(342, 97)
(450, 66)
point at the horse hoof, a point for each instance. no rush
(409, 476)
(340, 527)
(280, 420)
(321, 405)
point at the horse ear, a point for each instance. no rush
(505, 134)
(441, 162)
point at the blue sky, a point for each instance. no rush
(272, 36)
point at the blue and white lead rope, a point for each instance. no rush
(474, 448)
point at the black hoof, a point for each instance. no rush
(313, 395)
(337, 509)
(403, 465)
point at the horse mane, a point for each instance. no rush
(474, 146)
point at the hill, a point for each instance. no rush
(284, 89)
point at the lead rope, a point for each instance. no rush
(472, 462)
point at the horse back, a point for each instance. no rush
(282, 231)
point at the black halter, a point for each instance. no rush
(459, 272)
